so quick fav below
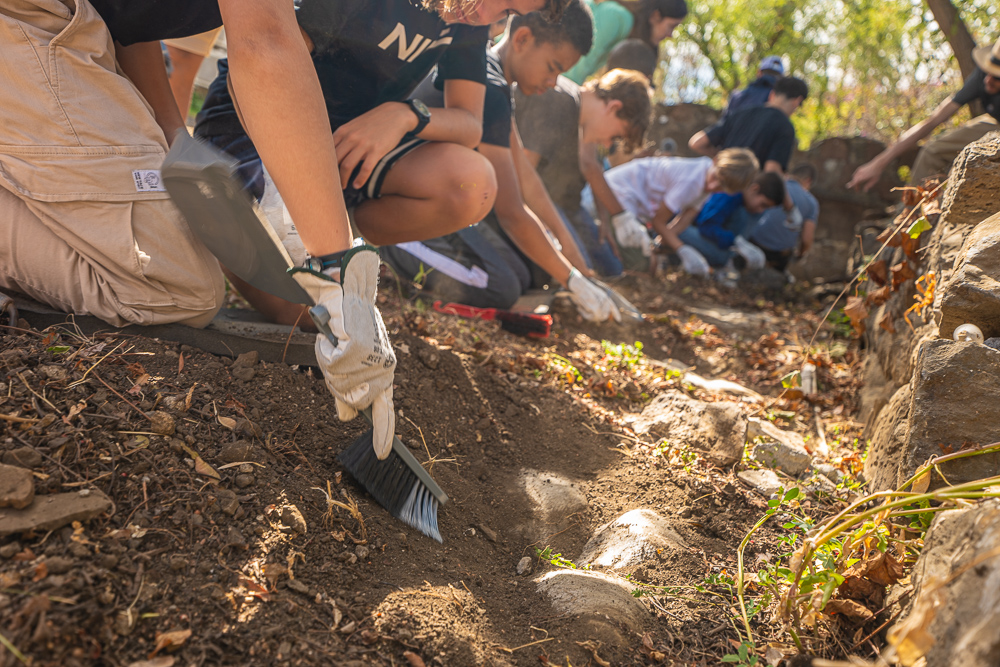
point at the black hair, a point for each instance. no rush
(791, 87)
(806, 171)
(633, 54)
(771, 185)
(576, 26)
(643, 9)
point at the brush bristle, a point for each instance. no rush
(525, 324)
(393, 486)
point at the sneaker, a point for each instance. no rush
(753, 255)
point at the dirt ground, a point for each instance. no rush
(258, 582)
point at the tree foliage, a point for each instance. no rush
(874, 67)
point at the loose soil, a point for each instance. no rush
(228, 560)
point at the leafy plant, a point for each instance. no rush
(623, 354)
(557, 559)
(742, 657)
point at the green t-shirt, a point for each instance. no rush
(612, 24)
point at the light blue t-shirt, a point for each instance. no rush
(774, 231)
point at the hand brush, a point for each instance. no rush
(399, 483)
(521, 324)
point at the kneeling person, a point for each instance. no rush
(783, 237)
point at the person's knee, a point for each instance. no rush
(468, 186)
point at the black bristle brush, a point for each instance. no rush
(398, 483)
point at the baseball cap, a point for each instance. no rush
(774, 63)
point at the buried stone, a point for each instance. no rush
(632, 538)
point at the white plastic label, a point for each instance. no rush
(148, 180)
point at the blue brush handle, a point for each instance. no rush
(321, 318)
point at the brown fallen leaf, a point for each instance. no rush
(901, 273)
(273, 571)
(857, 312)
(878, 272)
(910, 638)
(180, 363)
(892, 237)
(228, 422)
(162, 661)
(592, 646)
(879, 296)
(41, 571)
(414, 659)
(886, 323)
(910, 246)
(166, 640)
(853, 610)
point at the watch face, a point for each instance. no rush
(421, 108)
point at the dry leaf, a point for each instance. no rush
(228, 422)
(892, 235)
(254, 589)
(922, 483)
(180, 363)
(886, 323)
(853, 610)
(137, 387)
(878, 272)
(162, 661)
(910, 246)
(414, 659)
(273, 571)
(857, 312)
(200, 466)
(592, 646)
(190, 395)
(41, 571)
(878, 297)
(167, 640)
(909, 638)
(901, 273)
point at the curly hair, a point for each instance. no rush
(576, 26)
(632, 90)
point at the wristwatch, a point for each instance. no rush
(324, 262)
(423, 115)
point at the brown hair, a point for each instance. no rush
(552, 10)
(632, 90)
(735, 168)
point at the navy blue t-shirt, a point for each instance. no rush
(366, 53)
(133, 21)
(766, 131)
(754, 95)
(975, 89)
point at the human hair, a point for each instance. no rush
(633, 54)
(632, 90)
(735, 168)
(805, 171)
(771, 185)
(643, 9)
(575, 25)
(552, 10)
(791, 87)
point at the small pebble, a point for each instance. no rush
(8, 550)
(361, 551)
(525, 566)
(244, 480)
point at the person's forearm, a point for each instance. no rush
(529, 235)
(456, 126)
(591, 168)
(672, 231)
(808, 235)
(268, 61)
(912, 136)
(143, 65)
(700, 143)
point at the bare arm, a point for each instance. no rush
(143, 64)
(701, 144)
(518, 221)
(591, 168)
(536, 196)
(808, 236)
(868, 174)
(671, 233)
(268, 61)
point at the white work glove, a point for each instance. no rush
(794, 218)
(693, 261)
(631, 233)
(358, 367)
(753, 255)
(594, 303)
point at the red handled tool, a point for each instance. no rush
(521, 324)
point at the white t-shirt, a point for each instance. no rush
(643, 184)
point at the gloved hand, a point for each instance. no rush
(358, 366)
(631, 233)
(794, 218)
(693, 261)
(593, 302)
(753, 255)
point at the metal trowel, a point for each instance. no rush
(202, 182)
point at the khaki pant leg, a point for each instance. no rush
(937, 154)
(82, 225)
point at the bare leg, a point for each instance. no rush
(437, 189)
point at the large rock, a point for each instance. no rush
(888, 437)
(717, 429)
(956, 599)
(952, 405)
(782, 450)
(17, 488)
(972, 293)
(603, 604)
(971, 194)
(630, 539)
(556, 502)
(54, 511)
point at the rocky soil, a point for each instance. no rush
(189, 509)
